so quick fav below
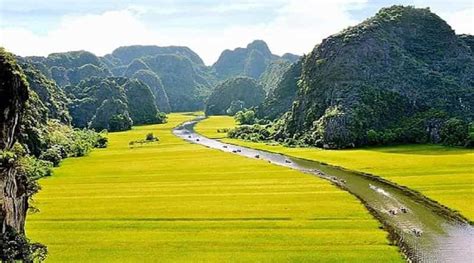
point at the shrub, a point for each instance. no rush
(15, 247)
(373, 137)
(455, 132)
(246, 117)
(151, 138)
(101, 142)
(161, 118)
(253, 133)
(53, 155)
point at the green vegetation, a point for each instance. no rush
(178, 202)
(112, 104)
(281, 97)
(273, 74)
(53, 98)
(234, 95)
(441, 173)
(245, 117)
(69, 68)
(417, 70)
(176, 75)
(141, 104)
(36, 135)
(156, 86)
(185, 85)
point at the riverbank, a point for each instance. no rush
(444, 174)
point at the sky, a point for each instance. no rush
(38, 27)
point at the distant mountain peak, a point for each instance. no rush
(259, 45)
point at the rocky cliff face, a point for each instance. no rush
(13, 95)
(401, 63)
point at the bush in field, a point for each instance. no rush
(455, 132)
(52, 155)
(161, 118)
(151, 138)
(245, 117)
(15, 247)
(253, 133)
(101, 142)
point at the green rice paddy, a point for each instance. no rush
(173, 201)
(444, 174)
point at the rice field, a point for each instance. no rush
(173, 201)
(444, 174)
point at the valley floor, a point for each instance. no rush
(173, 201)
(444, 174)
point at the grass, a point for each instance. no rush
(444, 174)
(173, 201)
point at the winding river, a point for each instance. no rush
(423, 230)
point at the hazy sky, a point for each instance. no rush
(37, 27)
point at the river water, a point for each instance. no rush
(423, 231)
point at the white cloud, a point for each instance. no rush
(298, 26)
(461, 21)
(97, 33)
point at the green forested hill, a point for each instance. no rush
(129, 53)
(177, 76)
(280, 98)
(273, 74)
(185, 87)
(112, 103)
(251, 61)
(53, 97)
(156, 86)
(233, 95)
(396, 77)
(69, 68)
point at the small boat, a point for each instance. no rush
(417, 232)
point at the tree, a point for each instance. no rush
(245, 117)
(455, 132)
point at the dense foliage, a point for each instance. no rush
(273, 74)
(49, 93)
(113, 104)
(391, 70)
(280, 98)
(234, 95)
(245, 117)
(141, 103)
